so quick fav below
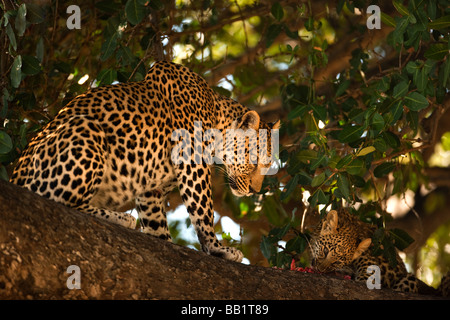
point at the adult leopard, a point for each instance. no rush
(114, 144)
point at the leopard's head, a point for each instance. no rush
(248, 153)
(335, 246)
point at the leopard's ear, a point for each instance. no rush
(330, 223)
(363, 246)
(250, 120)
(276, 125)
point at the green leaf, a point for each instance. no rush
(377, 122)
(21, 22)
(380, 144)
(306, 156)
(106, 76)
(412, 67)
(415, 101)
(401, 26)
(388, 20)
(108, 47)
(277, 11)
(309, 24)
(321, 197)
(318, 180)
(135, 11)
(322, 158)
(11, 36)
(401, 238)
(383, 84)
(350, 133)
(297, 112)
(389, 252)
(272, 32)
(343, 186)
(6, 144)
(365, 151)
(391, 139)
(277, 234)
(400, 8)
(396, 111)
(358, 181)
(291, 34)
(304, 179)
(290, 186)
(436, 51)
(318, 197)
(413, 120)
(267, 247)
(441, 23)
(383, 169)
(35, 13)
(320, 111)
(421, 80)
(344, 161)
(31, 65)
(356, 167)
(16, 73)
(40, 50)
(125, 54)
(297, 245)
(342, 87)
(400, 89)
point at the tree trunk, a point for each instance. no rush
(41, 239)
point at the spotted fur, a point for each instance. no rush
(341, 242)
(112, 146)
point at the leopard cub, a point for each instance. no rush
(340, 242)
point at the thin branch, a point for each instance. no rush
(400, 153)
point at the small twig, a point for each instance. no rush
(394, 155)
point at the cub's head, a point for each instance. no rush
(334, 247)
(248, 153)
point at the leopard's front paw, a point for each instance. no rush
(228, 253)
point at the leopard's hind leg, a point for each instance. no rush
(67, 165)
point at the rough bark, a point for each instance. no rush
(40, 239)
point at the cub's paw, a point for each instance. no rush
(228, 253)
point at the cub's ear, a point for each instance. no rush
(363, 246)
(330, 224)
(276, 125)
(249, 120)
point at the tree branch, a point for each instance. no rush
(40, 239)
